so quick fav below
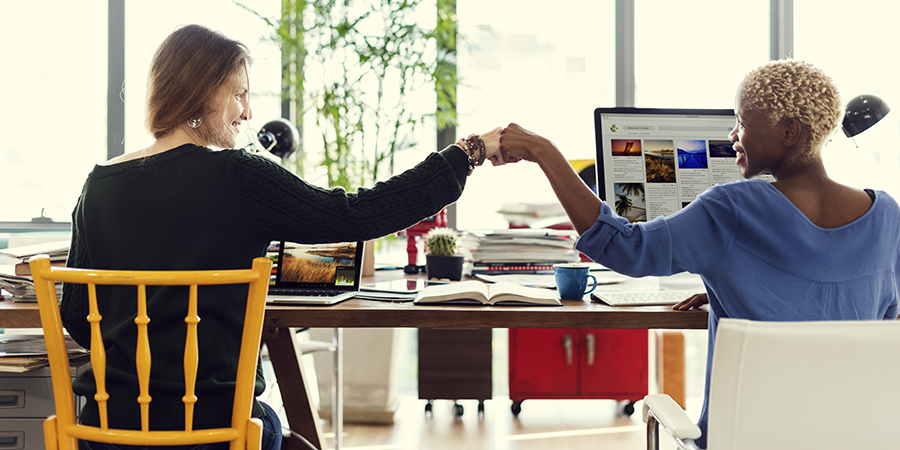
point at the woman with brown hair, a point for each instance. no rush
(180, 205)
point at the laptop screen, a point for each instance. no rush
(316, 266)
(652, 162)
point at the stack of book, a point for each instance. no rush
(21, 353)
(15, 273)
(519, 250)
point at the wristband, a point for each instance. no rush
(474, 148)
(477, 144)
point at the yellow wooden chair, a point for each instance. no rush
(62, 431)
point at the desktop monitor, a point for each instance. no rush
(652, 162)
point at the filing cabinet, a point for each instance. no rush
(26, 399)
(578, 364)
(455, 364)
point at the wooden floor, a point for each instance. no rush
(542, 424)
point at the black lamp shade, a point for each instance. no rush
(280, 137)
(862, 112)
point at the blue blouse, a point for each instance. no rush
(761, 258)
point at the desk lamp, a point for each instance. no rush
(279, 137)
(862, 112)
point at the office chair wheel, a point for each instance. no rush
(428, 408)
(628, 408)
(458, 410)
(516, 407)
(481, 408)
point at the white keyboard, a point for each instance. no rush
(642, 298)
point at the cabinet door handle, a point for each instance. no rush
(591, 347)
(567, 344)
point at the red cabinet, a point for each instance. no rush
(577, 364)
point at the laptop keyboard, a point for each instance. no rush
(642, 298)
(305, 292)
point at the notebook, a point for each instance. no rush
(314, 274)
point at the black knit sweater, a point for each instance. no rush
(191, 208)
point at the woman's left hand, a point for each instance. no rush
(693, 302)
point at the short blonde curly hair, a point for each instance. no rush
(790, 89)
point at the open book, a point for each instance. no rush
(480, 293)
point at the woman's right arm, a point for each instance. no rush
(284, 206)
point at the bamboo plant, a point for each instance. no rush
(354, 66)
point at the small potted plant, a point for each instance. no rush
(442, 258)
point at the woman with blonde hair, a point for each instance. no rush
(803, 247)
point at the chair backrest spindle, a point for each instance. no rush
(191, 359)
(142, 356)
(98, 356)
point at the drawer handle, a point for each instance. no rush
(12, 440)
(567, 344)
(12, 399)
(591, 348)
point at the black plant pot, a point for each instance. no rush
(440, 267)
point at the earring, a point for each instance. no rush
(194, 122)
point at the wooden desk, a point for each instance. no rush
(303, 417)
(573, 314)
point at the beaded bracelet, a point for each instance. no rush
(475, 141)
(474, 147)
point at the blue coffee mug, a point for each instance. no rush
(571, 280)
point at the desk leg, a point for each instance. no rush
(302, 416)
(670, 364)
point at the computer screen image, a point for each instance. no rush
(321, 264)
(652, 162)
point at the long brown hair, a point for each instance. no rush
(187, 69)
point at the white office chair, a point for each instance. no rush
(795, 385)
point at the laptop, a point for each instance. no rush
(314, 274)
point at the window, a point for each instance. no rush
(54, 113)
(547, 72)
(693, 53)
(850, 45)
